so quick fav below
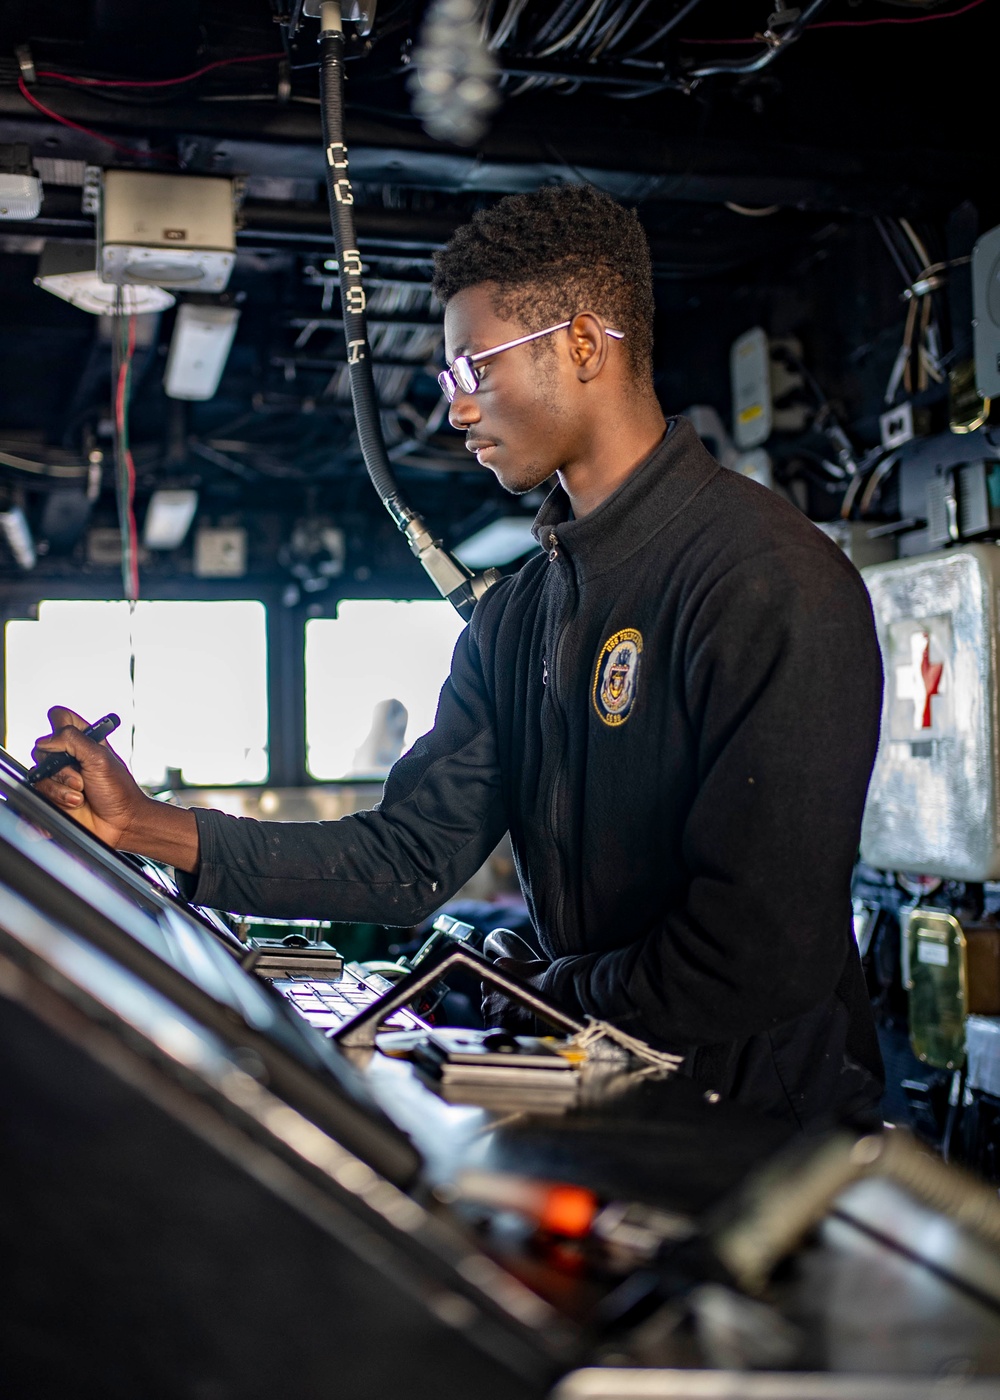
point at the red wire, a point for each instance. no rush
(129, 83)
(915, 19)
(131, 529)
(75, 126)
(158, 82)
(133, 533)
(854, 24)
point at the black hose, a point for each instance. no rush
(352, 292)
(452, 580)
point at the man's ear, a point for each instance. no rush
(588, 345)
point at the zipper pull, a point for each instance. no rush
(545, 671)
(553, 546)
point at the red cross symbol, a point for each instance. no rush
(921, 680)
(930, 674)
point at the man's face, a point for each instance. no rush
(517, 422)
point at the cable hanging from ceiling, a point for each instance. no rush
(123, 355)
(630, 50)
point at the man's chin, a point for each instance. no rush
(519, 480)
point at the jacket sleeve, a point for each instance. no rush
(782, 685)
(440, 817)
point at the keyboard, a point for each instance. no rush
(328, 1004)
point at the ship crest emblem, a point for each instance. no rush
(616, 676)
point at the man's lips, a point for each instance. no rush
(478, 444)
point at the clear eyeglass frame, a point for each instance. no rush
(462, 374)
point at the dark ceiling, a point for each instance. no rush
(770, 197)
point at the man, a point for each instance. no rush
(674, 709)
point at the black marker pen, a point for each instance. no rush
(52, 763)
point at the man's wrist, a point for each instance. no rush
(163, 832)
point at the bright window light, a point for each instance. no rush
(500, 542)
(373, 676)
(199, 702)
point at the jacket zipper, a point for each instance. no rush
(560, 768)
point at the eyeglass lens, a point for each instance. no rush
(465, 374)
(461, 375)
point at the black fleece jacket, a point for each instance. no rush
(674, 711)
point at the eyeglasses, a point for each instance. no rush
(463, 375)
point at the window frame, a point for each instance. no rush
(285, 628)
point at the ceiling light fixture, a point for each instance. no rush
(17, 532)
(20, 186)
(168, 518)
(199, 348)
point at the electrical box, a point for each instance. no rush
(103, 547)
(220, 553)
(934, 800)
(950, 971)
(982, 1048)
(963, 502)
(979, 498)
(167, 230)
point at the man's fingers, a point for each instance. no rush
(61, 796)
(93, 785)
(62, 721)
(59, 793)
(69, 740)
(69, 777)
(61, 718)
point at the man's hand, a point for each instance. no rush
(499, 1009)
(102, 796)
(105, 798)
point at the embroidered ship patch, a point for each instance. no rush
(616, 676)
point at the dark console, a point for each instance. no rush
(210, 1192)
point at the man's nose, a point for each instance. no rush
(464, 411)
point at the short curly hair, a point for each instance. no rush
(560, 250)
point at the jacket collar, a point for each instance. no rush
(659, 489)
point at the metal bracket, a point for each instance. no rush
(26, 63)
(359, 12)
(239, 185)
(445, 930)
(361, 1030)
(90, 200)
